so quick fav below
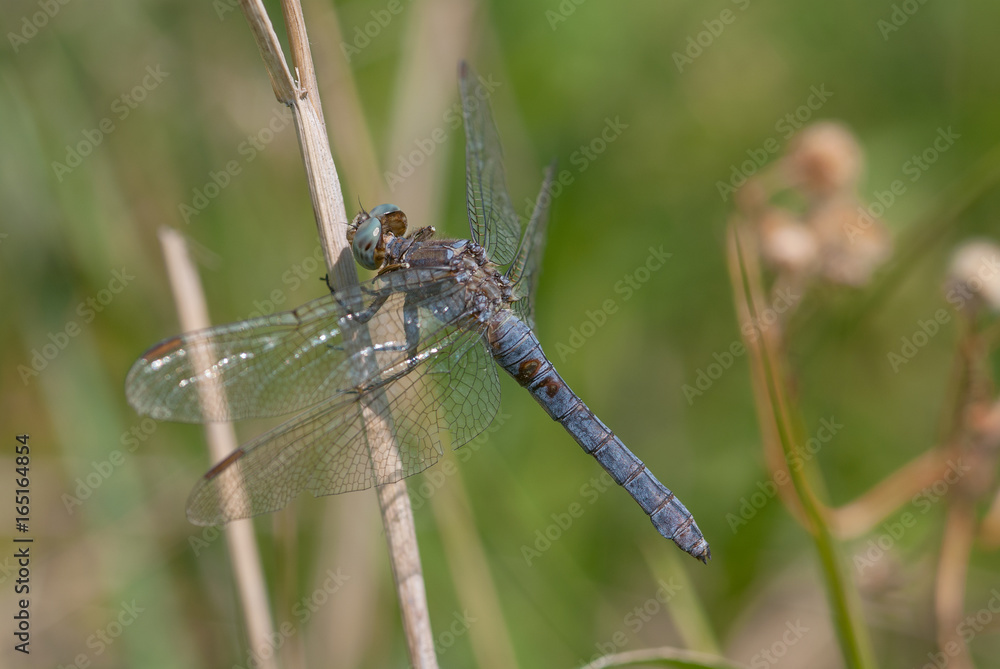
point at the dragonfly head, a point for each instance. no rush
(371, 231)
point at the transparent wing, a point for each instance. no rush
(492, 218)
(391, 430)
(277, 364)
(523, 272)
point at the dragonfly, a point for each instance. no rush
(384, 375)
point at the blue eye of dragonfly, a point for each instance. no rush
(393, 220)
(383, 209)
(366, 241)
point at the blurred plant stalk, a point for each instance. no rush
(244, 553)
(972, 437)
(822, 164)
(780, 419)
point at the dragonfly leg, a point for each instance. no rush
(423, 234)
(411, 329)
(394, 266)
(366, 314)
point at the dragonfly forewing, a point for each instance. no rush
(445, 399)
(492, 219)
(285, 362)
(422, 383)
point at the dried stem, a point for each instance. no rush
(243, 552)
(862, 514)
(774, 455)
(989, 530)
(949, 588)
(331, 219)
(778, 409)
(350, 135)
(975, 449)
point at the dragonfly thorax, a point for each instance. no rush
(378, 243)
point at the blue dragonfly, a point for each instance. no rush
(384, 375)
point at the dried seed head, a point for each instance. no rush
(824, 159)
(974, 274)
(852, 244)
(786, 243)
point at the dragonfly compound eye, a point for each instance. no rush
(366, 244)
(382, 210)
(393, 219)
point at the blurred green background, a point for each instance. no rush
(86, 230)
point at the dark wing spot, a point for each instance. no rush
(162, 349)
(224, 463)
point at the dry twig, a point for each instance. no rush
(331, 218)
